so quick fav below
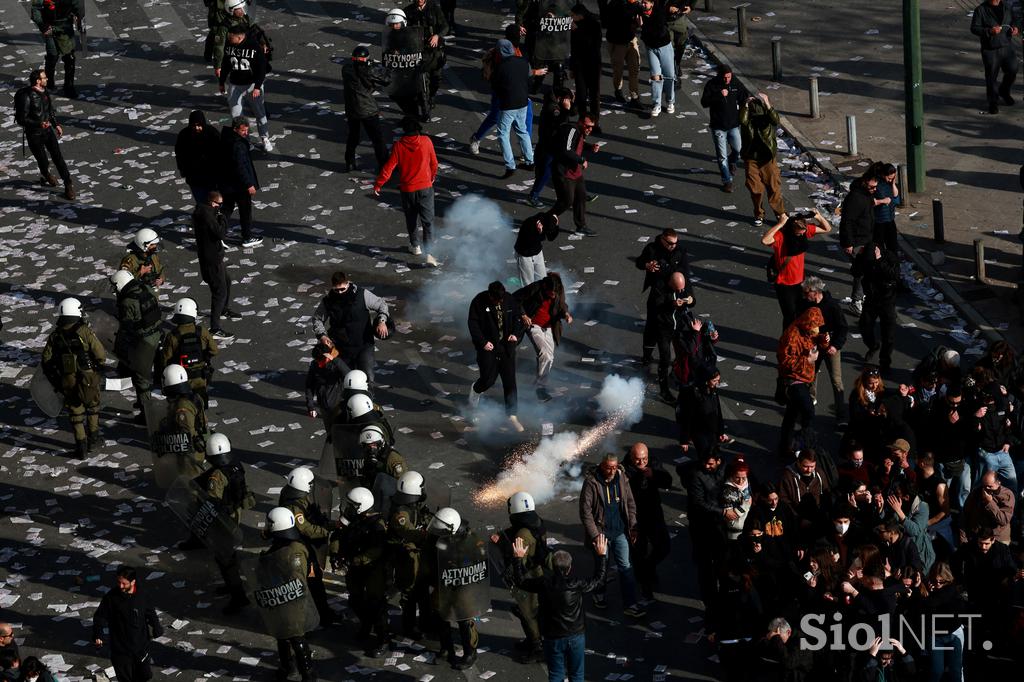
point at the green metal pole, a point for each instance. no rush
(914, 94)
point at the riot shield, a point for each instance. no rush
(402, 56)
(104, 326)
(204, 517)
(277, 587)
(348, 454)
(463, 581)
(164, 445)
(384, 486)
(553, 30)
(326, 490)
(45, 396)
(137, 354)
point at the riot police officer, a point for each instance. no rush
(191, 346)
(56, 21)
(445, 524)
(225, 482)
(315, 528)
(407, 536)
(70, 361)
(138, 333)
(141, 260)
(380, 457)
(286, 560)
(186, 415)
(429, 15)
(362, 542)
(362, 411)
(355, 383)
(525, 523)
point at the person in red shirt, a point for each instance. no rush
(788, 239)
(413, 155)
(544, 309)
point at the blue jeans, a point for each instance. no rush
(618, 552)
(663, 70)
(544, 175)
(724, 139)
(948, 652)
(564, 656)
(999, 462)
(507, 121)
(491, 119)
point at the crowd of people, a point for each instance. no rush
(913, 519)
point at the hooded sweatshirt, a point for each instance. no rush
(197, 153)
(416, 161)
(796, 343)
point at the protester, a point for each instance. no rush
(722, 97)
(759, 122)
(788, 239)
(131, 624)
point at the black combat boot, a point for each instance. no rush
(93, 439)
(285, 664)
(81, 449)
(50, 68)
(69, 77)
(304, 660)
(467, 659)
(664, 391)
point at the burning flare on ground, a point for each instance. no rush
(538, 468)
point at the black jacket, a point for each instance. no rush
(552, 116)
(324, 385)
(210, 227)
(360, 80)
(530, 242)
(510, 82)
(561, 598)
(566, 139)
(947, 440)
(669, 317)
(654, 31)
(531, 297)
(483, 325)
(33, 108)
(857, 218)
(986, 16)
(585, 41)
(245, 63)
(238, 173)
(835, 319)
(703, 495)
(724, 111)
(881, 275)
(196, 154)
(619, 18)
(671, 262)
(646, 485)
(131, 620)
(431, 18)
(699, 416)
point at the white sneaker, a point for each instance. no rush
(251, 242)
(415, 250)
(474, 397)
(670, 108)
(656, 111)
(857, 305)
(268, 146)
(514, 421)
(431, 261)
(474, 145)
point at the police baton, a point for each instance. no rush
(85, 35)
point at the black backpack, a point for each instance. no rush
(257, 32)
(21, 105)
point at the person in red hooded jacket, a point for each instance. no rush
(413, 155)
(797, 354)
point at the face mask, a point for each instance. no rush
(927, 394)
(841, 528)
(857, 463)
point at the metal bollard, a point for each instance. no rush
(979, 261)
(815, 106)
(851, 135)
(938, 226)
(709, 5)
(741, 25)
(776, 59)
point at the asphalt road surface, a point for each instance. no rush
(68, 523)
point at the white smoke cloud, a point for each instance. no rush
(553, 467)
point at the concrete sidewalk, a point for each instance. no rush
(972, 158)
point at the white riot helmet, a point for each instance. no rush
(218, 449)
(358, 405)
(301, 479)
(445, 522)
(145, 237)
(174, 375)
(356, 380)
(231, 5)
(396, 16)
(70, 307)
(371, 434)
(950, 358)
(521, 502)
(186, 307)
(120, 278)
(361, 499)
(411, 483)
(280, 519)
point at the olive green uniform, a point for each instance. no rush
(227, 485)
(527, 603)
(70, 359)
(191, 346)
(314, 527)
(393, 465)
(185, 416)
(138, 334)
(407, 536)
(468, 634)
(133, 261)
(363, 545)
(58, 28)
(289, 560)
